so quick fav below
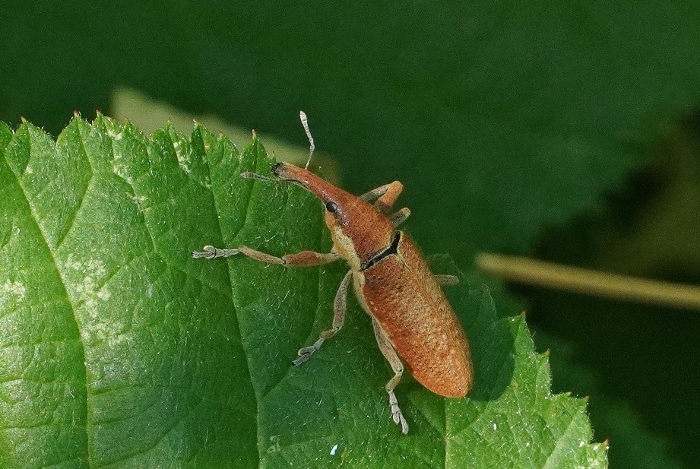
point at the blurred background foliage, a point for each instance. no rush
(566, 131)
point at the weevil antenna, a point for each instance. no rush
(312, 147)
(259, 177)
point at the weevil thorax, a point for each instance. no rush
(358, 229)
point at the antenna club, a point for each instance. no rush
(312, 147)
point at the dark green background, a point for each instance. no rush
(565, 131)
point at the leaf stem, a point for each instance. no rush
(589, 282)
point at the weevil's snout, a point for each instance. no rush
(332, 197)
(303, 177)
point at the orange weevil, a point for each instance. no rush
(411, 316)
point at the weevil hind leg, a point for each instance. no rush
(397, 367)
(339, 307)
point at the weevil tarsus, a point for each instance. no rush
(397, 367)
(340, 305)
(446, 280)
(210, 252)
(399, 217)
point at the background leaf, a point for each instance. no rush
(120, 350)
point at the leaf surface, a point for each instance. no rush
(120, 350)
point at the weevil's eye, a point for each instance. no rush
(331, 207)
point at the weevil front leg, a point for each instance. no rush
(385, 197)
(300, 259)
(397, 367)
(339, 307)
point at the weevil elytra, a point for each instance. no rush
(411, 316)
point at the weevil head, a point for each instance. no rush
(358, 229)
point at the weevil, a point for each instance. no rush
(411, 317)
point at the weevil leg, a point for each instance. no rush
(210, 252)
(385, 195)
(447, 280)
(399, 217)
(377, 192)
(339, 306)
(300, 259)
(397, 367)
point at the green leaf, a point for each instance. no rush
(118, 349)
